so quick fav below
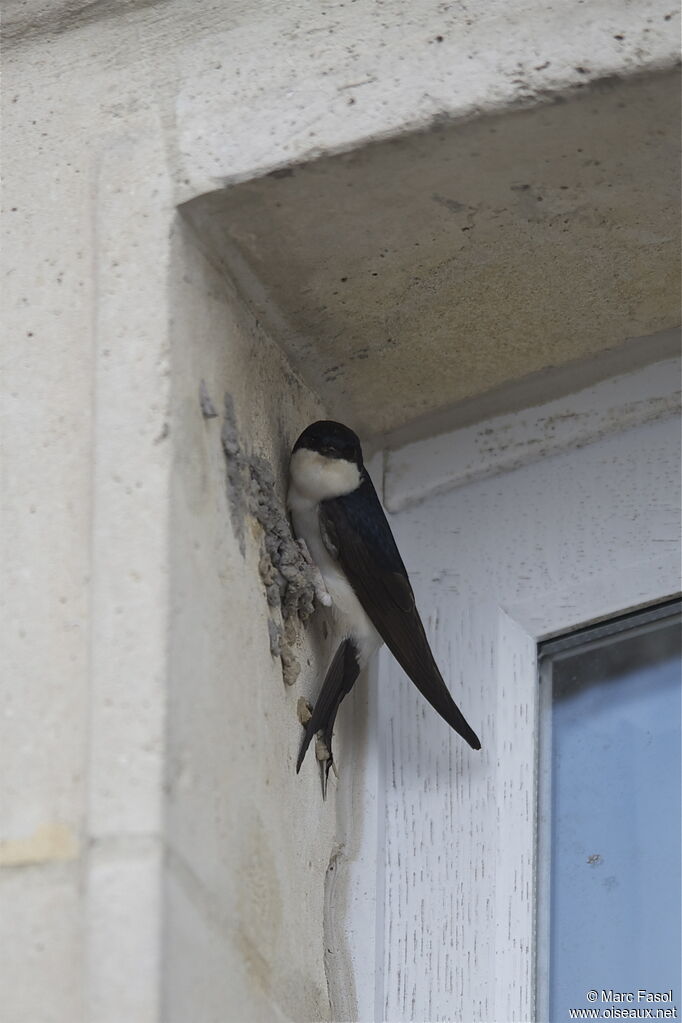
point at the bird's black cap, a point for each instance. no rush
(334, 440)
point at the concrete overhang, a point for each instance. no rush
(471, 265)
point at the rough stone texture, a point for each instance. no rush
(288, 578)
(248, 840)
(148, 739)
(418, 273)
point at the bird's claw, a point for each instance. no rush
(324, 755)
(325, 760)
(322, 751)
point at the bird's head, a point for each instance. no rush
(326, 461)
(331, 440)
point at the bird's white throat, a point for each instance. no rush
(315, 477)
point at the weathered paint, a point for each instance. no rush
(508, 442)
(52, 841)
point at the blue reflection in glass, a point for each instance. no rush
(615, 917)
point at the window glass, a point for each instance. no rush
(610, 798)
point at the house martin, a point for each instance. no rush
(336, 512)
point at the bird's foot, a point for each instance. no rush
(325, 760)
(321, 592)
(322, 751)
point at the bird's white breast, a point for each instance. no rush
(318, 478)
(307, 482)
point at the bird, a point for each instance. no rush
(337, 515)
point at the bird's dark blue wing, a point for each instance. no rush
(360, 538)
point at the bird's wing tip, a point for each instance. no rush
(469, 736)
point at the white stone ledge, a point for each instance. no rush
(245, 88)
(321, 81)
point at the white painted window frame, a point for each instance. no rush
(416, 474)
